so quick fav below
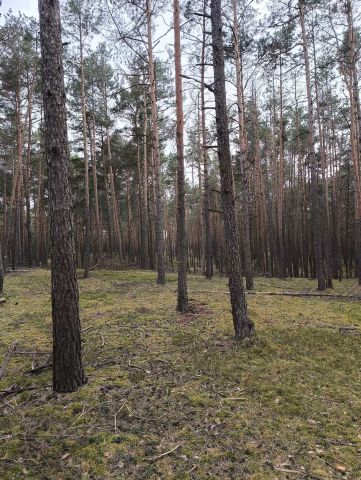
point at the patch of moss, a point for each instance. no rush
(157, 381)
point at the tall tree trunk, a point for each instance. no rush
(86, 159)
(242, 158)
(355, 129)
(159, 220)
(281, 183)
(325, 211)
(98, 229)
(182, 301)
(40, 215)
(1, 271)
(144, 187)
(27, 176)
(243, 325)
(17, 173)
(129, 217)
(207, 236)
(68, 372)
(315, 187)
(114, 220)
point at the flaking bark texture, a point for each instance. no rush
(68, 372)
(243, 325)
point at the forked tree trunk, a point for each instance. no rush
(68, 372)
(182, 301)
(243, 325)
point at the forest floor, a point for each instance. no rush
(171, 396)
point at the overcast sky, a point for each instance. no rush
(28, 7)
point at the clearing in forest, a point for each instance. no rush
(170, 396)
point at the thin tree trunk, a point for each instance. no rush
(242, 158)
(281, 181)
(315, 187)
(159, 220)
(27, 175)
(86, 159)
(98, 229)
(207, 236)
(182, 301)
(144, 186)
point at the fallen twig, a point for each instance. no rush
(39, 369)
(192, 469)
(234, 398)
(7, 404)
(299, 472)
(288, 470)
(18, 352)
(153, 459)
(17, 271)
(86, 329)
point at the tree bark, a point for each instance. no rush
(86, 159)
(207, 236)
(355, 130)
(68, 372)
(182, 301)
(27, 176)
(316, 198)
(242, 158)
(159, 220)
(243, 325)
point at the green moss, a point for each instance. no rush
(158, 379)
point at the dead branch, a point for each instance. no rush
(290, 294)
(14, 390)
